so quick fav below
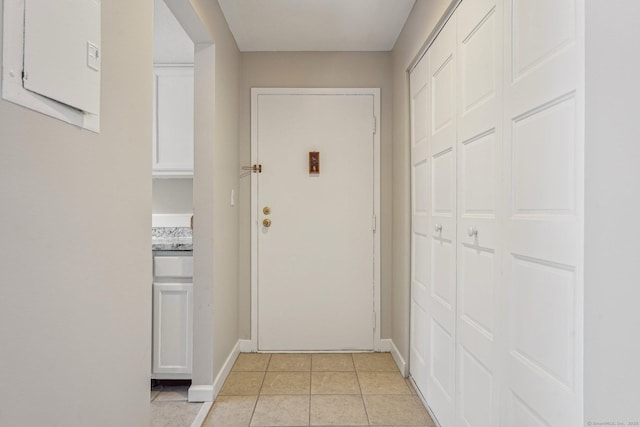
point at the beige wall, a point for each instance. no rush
(315, 69)
(421, 23)
(215, 175)
(172, 196)
(75, 289)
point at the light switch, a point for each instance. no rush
(93, 56)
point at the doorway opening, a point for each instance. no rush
(184, 75)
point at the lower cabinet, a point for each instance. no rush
(172, 330)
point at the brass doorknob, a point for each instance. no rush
(266, 210)
(266, 222)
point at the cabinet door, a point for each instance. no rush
(172, 330)
(173, 122)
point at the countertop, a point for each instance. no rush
(171, 239)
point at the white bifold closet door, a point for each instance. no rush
(479, 196)
(419, 244)
(497, 216)
(441, 234)
(544, 190)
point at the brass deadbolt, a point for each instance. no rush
(266, 210)
(266, 222)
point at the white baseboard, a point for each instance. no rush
(387, 345)
(226, 368)
(208, 393)
(201, 416)
(201, 393)
(246, 346)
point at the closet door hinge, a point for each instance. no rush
(373, 318)
(374, 124)
(374, 223)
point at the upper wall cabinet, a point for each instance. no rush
(173, 122)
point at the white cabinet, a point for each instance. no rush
(172, 317)
(172, 330)
(173, 121)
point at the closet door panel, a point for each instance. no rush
(420, 336)
(441, 232)
(477, 280)
(475, 399)
(543, 160)
(479, 203)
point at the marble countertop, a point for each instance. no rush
(171, 239)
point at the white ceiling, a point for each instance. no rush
(171, 45)
(316, 25)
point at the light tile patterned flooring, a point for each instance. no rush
(359, 389)
(169, 407)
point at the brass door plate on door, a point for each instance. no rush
(314, 162)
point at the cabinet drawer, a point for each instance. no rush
(173, 266)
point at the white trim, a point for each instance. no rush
(202, 414)
(171, 220)
(246, 346)
(378, 227)
(12, 68)
(226, 369)
(208, 393)
(375, 92)
(385, 345)
(388, 346)
(201, 393)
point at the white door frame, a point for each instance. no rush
(255, 92)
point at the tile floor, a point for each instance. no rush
(358, 389)
(169, 407)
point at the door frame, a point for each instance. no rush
(255, 92)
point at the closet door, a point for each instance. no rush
(441, 234)
(479, 154)
(543, 263)
(419, 367)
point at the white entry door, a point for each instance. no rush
(314, 269)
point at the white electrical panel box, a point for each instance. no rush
(62, 51)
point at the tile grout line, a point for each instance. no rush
(310, 370)
(255, 405)
(310, 385)
(361, 395)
